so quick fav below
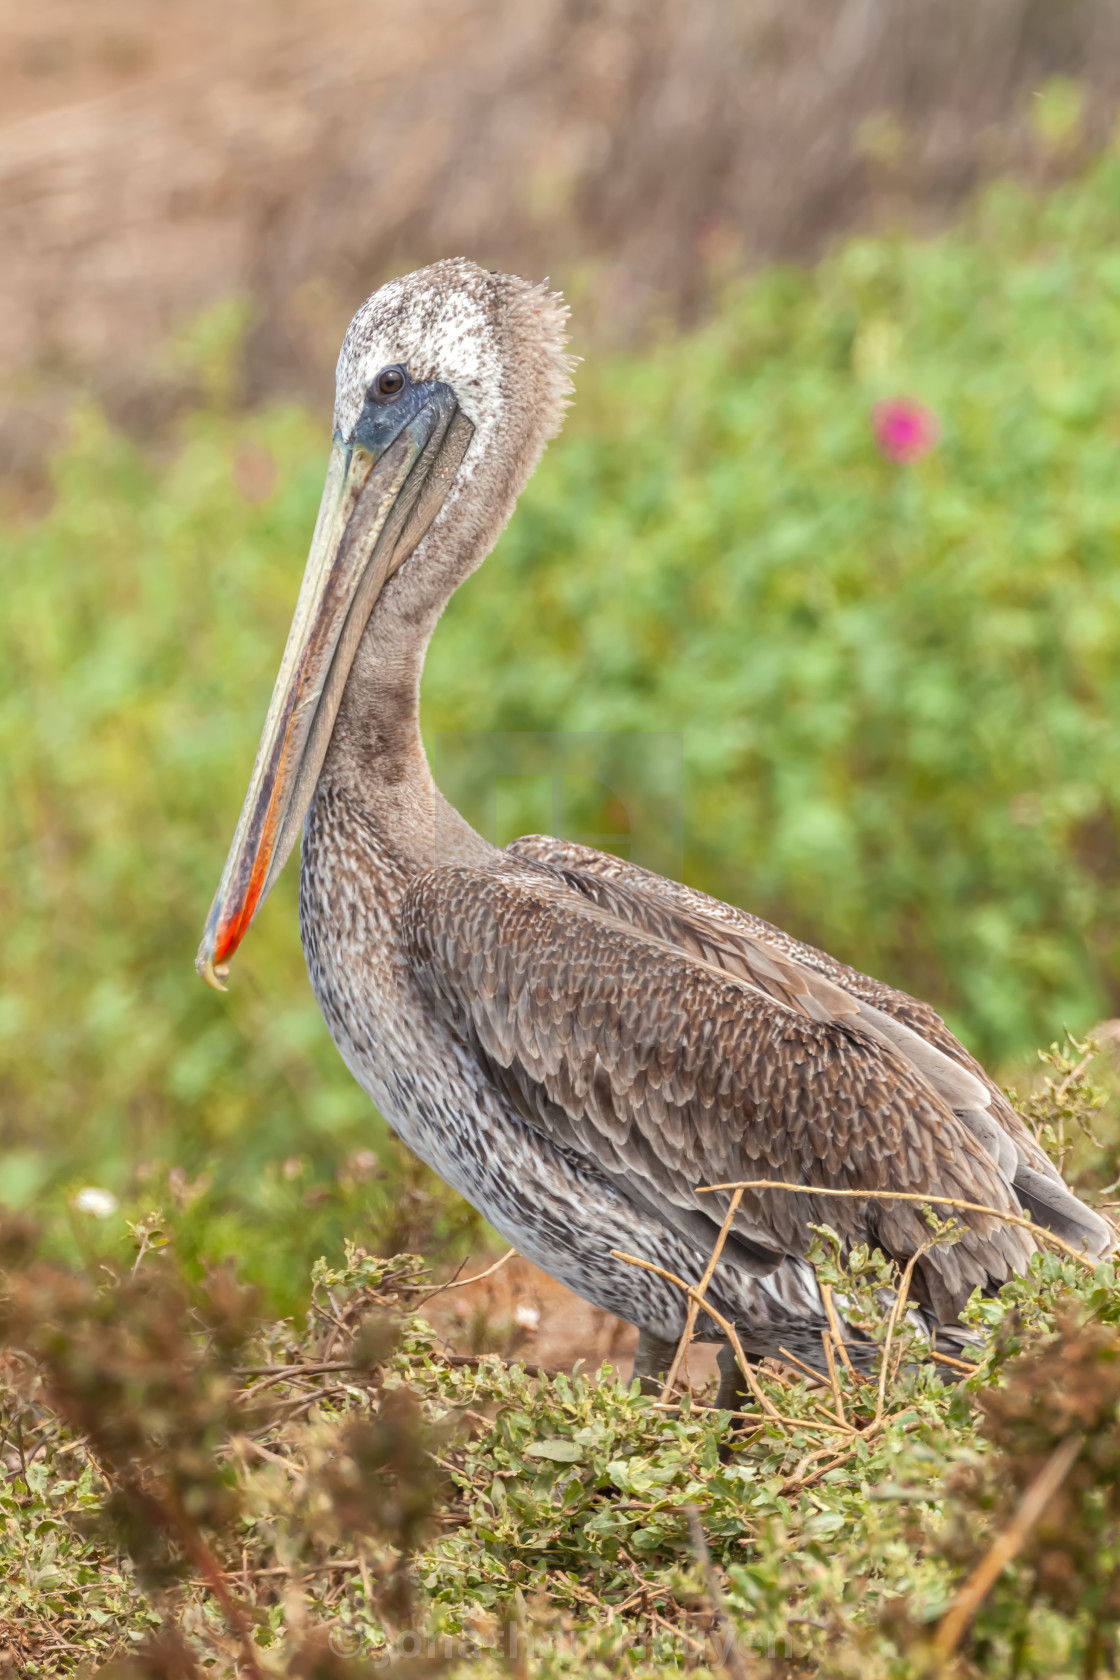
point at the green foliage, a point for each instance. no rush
(1067, 1103)
(898, 691)
(359, 1494)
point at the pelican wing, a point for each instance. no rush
(913, 1028)
(667, 1058)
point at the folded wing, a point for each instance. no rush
(912, 1028)
(669, 1053)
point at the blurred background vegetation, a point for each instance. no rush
(894, 688)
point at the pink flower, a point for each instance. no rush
(904, 430)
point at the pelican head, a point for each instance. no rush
(449, 384)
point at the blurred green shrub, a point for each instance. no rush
(898, 686)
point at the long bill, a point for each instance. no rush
(377, 504)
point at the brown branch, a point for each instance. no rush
(833, 1464)
(1075, 1073)
(285, 1569)
(292, 1407)
(653, 1590)
(957, 1364)
(818, 1381)
(212, 1573)
(248, 1444)
(750, 1417)
(897, 1308)
(834, 1326)
(461, 1283)
(328, 1365)
(297, 1370)
(696, 1300)
(1009, 1543)
(920, 1199)
(729, 1331)
(799, 1364)
(830, 1358)
(480, 1359)
(295, 1403)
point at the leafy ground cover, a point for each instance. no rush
(346, 1492)
(194, 1488)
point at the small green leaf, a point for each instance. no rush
(561, 1452)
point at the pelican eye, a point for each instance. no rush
(389, 383)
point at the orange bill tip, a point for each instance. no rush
(214, 974)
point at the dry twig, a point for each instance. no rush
(834, 1326)
(725, 1325)
(1010, 1542)
(919, 1199)
(956, 1364)
(898, 1307)
(830, 1358)
(462, 1283)
(696, 1300)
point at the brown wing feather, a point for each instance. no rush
(919, 1017)
(668, 1072)
(957, 1076)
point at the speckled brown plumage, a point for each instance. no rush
(1037, 1183)
(671, 1072)
(577, 1045)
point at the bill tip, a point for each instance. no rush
(214, 974)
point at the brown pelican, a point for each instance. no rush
(576, 1045)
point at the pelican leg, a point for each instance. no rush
(732, 1384)
(652, 1360)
